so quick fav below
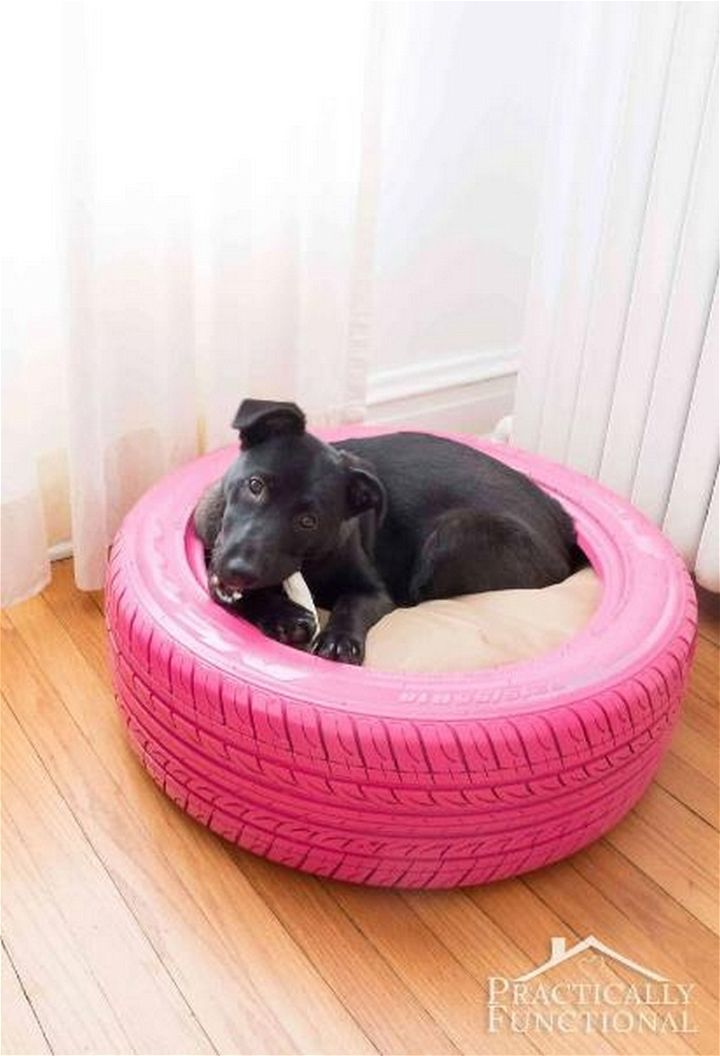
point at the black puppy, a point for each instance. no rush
(372, 524)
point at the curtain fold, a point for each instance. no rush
(618, 374)
(190, 213)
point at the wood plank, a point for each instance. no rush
(21, 1032)
(518, 912)
(388, 1011)
(588, 911)
(99, 985)
(453, 997)
(698, 791)
(484, 949)
(77, 612)
(694, 746)
(175, 874)
(675, 824)
(657, 837)
(684, 947)
(701, 715)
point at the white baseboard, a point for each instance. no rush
(469, 392)
(60, 551)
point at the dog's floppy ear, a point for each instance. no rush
(256, 420)
(208, 515)
(364, 491)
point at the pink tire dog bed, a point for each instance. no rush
(432, 780)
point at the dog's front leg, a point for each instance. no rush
(277, 616)
(351, 618)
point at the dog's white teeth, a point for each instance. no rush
(223, 594)
(227, 597)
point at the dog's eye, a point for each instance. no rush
(256, 486)
(307, 521)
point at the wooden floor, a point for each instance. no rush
(128, 928)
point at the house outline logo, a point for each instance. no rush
(559, 954)
(588, 1001)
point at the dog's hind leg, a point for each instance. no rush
(466, 552)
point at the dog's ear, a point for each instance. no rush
(364, 491)
(256, 420)
(208, 515)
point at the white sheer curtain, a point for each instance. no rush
(188, 214)
(619, 368)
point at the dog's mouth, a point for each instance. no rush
(226, 594)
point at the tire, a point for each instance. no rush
(429, 781)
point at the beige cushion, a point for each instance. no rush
(482, 630)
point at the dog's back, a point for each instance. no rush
(476, 505)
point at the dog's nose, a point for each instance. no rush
(238, 574)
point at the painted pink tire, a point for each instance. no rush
(388, 779)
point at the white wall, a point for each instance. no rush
(466, 101)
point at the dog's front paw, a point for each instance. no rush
(339, 646)
(294, 626)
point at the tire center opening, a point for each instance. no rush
(469, 633)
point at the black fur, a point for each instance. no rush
(372, 523)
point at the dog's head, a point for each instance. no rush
(286, 499)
